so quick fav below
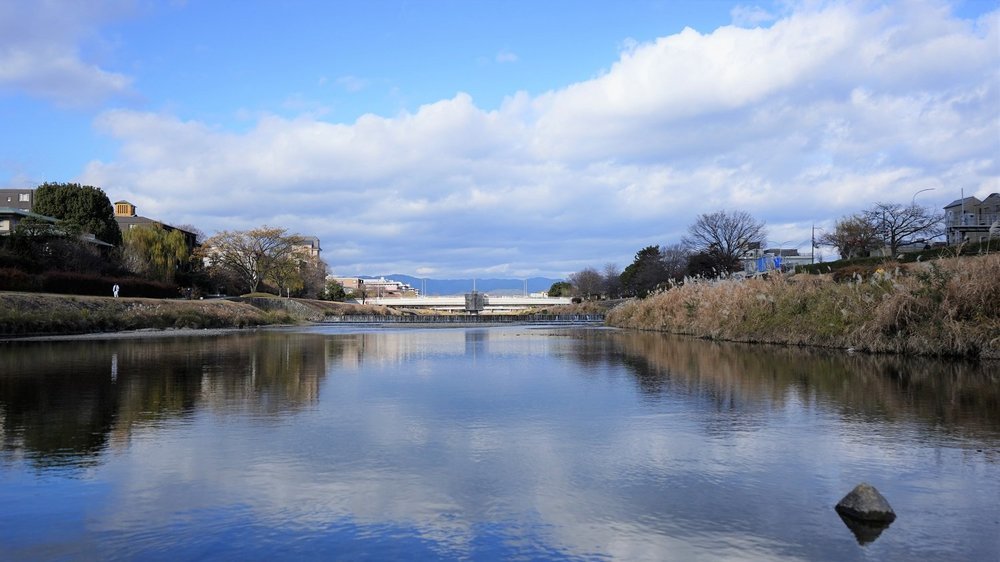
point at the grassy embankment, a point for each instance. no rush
(947, 307)
(23, 314)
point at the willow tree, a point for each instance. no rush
(154, 252)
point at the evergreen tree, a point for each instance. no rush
(82, 206)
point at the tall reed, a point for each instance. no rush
(942, 307)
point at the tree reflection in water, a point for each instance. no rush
(62, 403)
(479, 443)
(946, 395)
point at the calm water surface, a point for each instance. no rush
(487, 444)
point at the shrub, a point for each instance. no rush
(68, 283)
(17, 280)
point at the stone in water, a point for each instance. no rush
(864, 502)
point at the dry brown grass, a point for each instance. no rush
(943, 307)
(585, 307)
(35, 313)
(39, 314)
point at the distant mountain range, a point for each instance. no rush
(438, 287)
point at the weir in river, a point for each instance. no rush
(468, 319)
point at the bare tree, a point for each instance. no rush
(587, 283)
(675, 260)
(899, 224)
(612, 281)
(313, 271)
(199, 235)
(853, 236)
(725, 236)
(361, 293)
(253, 256)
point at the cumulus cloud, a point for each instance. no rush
(750, 16)
(40, 50)
(821, 113)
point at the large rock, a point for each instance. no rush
(865, 503)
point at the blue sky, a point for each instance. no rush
(447, 139)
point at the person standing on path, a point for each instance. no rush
(115, 290)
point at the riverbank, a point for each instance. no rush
(947, 307)
(35, 314)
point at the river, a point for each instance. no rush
(488, 443)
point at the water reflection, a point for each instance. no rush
(509, 443)
(958, 397)
(866, 532)
(60, 406)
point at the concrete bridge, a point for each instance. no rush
(457, 303)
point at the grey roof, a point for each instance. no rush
(968, 201)
(23, 213)
(137, 220)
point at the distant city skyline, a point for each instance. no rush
(454, 139)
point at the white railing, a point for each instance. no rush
(459, 301)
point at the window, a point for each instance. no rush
(4, 225)
(24, 197)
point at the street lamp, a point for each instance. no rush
(913, 200)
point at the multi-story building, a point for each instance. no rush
(17, 198)
(375, 288)
(310, 246)
(969, 219)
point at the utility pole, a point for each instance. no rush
(812, 247)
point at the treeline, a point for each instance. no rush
(716, 242)
(712, 247)
(84, 251)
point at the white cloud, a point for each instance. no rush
(750, 16)
(818, 115)
(505, 56)
(40, 50)
(352, 83)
